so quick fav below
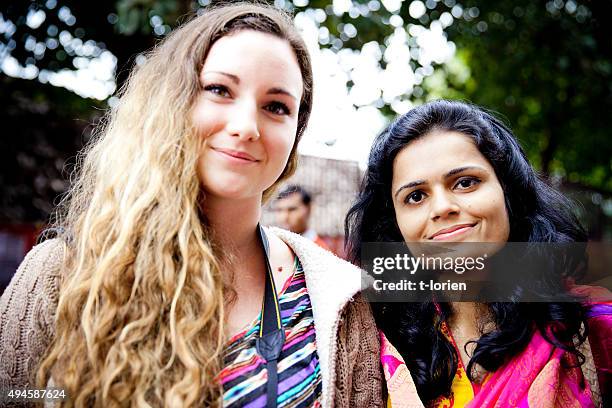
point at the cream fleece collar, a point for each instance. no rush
(332, 283)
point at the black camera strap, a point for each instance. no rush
(269, 342)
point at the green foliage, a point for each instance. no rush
(43, 128)
(546, 67)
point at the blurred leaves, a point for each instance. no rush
(546, 66)
(39, 144)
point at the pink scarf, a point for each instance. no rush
(537, 377)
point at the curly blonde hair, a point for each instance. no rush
(140, 318)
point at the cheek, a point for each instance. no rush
(485, 202)
(303, 215)
(207, 120)
(502, 222)
(207, 166)
(279, 147)
(410, 224)
(202, 169)
(209, 113)
(198, 116)
(492, 207)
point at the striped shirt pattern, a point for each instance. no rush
(244, 376)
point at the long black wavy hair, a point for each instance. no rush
(537, 213)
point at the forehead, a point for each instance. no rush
(436, 153)
(255, 55)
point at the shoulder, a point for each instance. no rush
(38, 272)
(359, 370)
(27, 312)
(358, 323)
(332, 280)
(307, 250)
(358, 313)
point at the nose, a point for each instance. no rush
(242, 121)
(443, 205)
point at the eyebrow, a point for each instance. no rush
(461, 170)
(233, 77)
(236, 80)
(410, 185)
(280, 91)
(451, 173)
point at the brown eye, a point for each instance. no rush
(466, 182)
(219, 90)
(415, 197)
(278, 108)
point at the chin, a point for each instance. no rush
(237, 195)
(235, 191)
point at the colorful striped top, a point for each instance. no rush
(244, 377)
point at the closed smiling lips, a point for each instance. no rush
(236, 154)
(451, 231)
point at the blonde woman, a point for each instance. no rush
(152, 293)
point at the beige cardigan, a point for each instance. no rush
(347, 340)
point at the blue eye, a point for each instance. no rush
(220, 90)
(278, 108)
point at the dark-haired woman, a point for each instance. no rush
(451, 172)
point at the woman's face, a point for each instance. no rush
(444, 190)
(247, 113)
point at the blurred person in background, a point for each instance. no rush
(293, 208)
(151, 292)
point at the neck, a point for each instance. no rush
(467, 314)
(234, 222)
(463, 307)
